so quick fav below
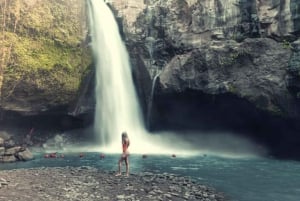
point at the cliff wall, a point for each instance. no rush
(246, 48)
(220, 65)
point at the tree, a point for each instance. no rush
(3, 8)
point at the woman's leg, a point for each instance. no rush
(120, 166)
(127, 165)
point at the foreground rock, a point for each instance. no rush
(10, 152)
(85, 183)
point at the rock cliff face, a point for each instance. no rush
(247, 48)
(240, 58)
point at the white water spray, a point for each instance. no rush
(117, 107)
(149, 114)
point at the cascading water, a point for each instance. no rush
(117, 107)
(151, 99)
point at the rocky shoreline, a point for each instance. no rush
(12, 152)
(89, 184)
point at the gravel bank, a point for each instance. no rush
(89, 184)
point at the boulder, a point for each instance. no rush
(4, 135)
(24, 155)
(1, 142)
(8, 159)
(9, 143)
(12, 151)
(2, 151)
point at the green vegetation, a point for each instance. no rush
(47, 58)
(286, 44)
(42, 53)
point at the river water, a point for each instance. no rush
(241, 179)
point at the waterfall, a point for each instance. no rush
(149, 110)
(117, 107)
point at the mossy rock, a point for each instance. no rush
(46, 54)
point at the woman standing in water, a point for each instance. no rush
(125, 154)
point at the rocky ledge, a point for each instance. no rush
(86, 183)
(11, 152)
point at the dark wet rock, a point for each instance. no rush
(254, 70)
(293, 77)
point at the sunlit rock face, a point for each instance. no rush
(230, 18)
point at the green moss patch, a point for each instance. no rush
(47, 58)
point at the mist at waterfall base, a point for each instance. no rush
(118, 110)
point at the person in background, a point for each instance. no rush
(125, 154)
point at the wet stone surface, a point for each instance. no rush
(89, 184)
